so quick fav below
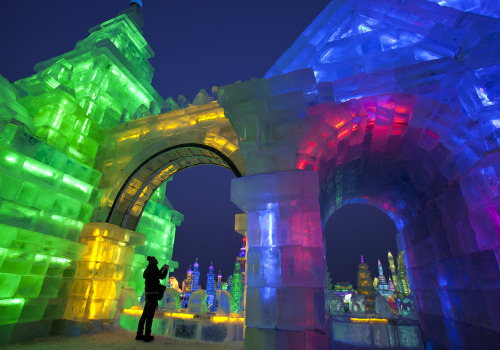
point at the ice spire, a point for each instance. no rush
(392, 267)
(138, 2)
(134, 12)
(219, 281)
(382, 286)
(380, 268)
(196, 276)
(211, 288)
(391, 286)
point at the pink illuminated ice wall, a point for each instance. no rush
(396, 105)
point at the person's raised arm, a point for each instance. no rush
(164, 271)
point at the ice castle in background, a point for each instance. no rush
(390, 103)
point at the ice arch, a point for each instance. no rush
(415, 157)
(394, 150)
(391, 102)
(409, 156)
(141, 154)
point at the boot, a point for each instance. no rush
(139, 336)
(148, 338)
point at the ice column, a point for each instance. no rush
(285, 260)
(103, 271)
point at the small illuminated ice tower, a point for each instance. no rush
(211, 288)
(392, 267)
(187, 287)
(219, 281)
(196, 276)
(382, 286)
(404, 286)
(236, 283)
(391, 286)
(365, 286)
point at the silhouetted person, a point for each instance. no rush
(153, 292)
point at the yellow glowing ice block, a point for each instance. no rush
(369, 320)
(102, 271)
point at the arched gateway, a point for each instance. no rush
(153, 148)
(391, 104)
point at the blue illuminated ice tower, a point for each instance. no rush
(211, 288)
(196, 276)
(219, 281)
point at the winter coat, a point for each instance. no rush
(152, 276)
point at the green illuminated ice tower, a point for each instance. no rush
(236, 287)
(402, 276)
(53, 128)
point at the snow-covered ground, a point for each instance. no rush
(119, 339)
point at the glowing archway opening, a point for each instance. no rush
(140, 185)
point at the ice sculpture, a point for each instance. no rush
(172, 300)
(408, 307)
(198, 302)
(336, 305)
(51, 127)
(393, 107)
(388, 103)
(358, 305)
(225, 303)
(383, 308)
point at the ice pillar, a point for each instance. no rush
(104, 269)
(285, 260)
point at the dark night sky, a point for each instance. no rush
(198, 44)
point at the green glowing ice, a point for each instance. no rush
(236, 287)
(52, 125)
(158, 222)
